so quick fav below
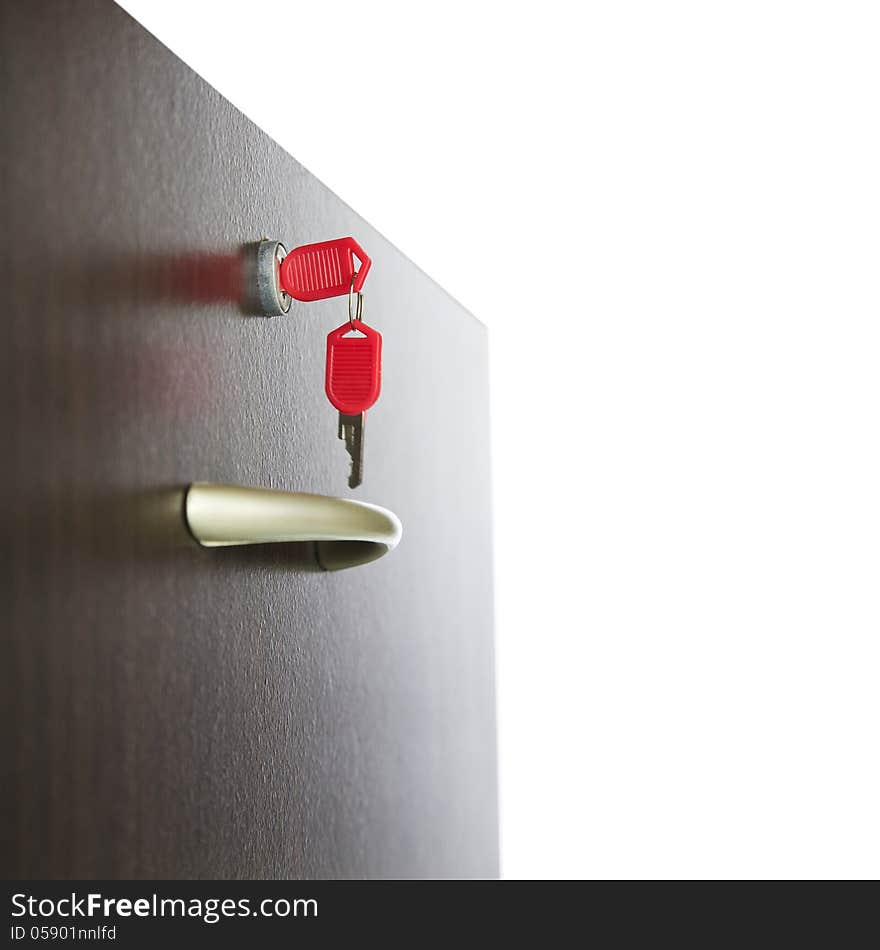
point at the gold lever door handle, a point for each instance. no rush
(346, 532)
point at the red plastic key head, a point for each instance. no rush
(354, 367)
(319, 271)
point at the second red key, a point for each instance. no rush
(353, 381)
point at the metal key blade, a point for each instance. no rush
(351, 428)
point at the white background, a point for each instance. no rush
(667, 214)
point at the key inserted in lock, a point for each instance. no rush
(327, 269)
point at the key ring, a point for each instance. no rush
(359, 313)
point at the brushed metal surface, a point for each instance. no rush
(170, 711)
